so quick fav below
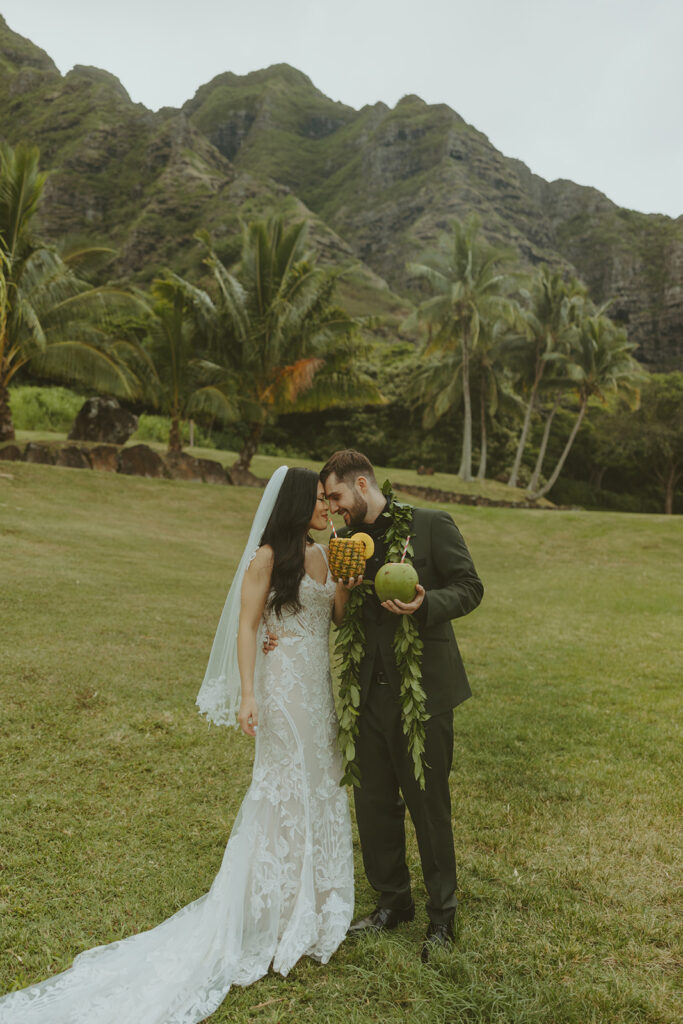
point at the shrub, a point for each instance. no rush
(55, 409)
(578, 492)
(157, 428)
(38, 408)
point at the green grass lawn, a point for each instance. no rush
(118, 798)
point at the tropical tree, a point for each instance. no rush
(493, 383)
(278, 331)
(6, 425)
(662, 424)
(50, 317)
(437, 385)
(470, 292)
(647, 445)
(600, 362)
(544, 327)
(171, 364)
(555, 386)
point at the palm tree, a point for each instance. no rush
(470, 294)
(174, 372)
(49, 317)
(600, 361)
(437, 385)
(544, 327)
(6, 425)
(556, 384)
(279, 332)
(493, 382)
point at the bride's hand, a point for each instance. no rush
(349, 584)
(247, 716)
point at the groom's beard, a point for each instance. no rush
(358, 511)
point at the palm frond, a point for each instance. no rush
(339, 387)
(291, 381)
(21, 186)
(213, 402)
(77, 362)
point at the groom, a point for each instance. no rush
(449, 588)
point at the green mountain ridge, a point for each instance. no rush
(378, 185)
(142, 181)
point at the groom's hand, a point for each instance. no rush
(401, 608)
(269, 642)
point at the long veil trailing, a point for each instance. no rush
(219, 695)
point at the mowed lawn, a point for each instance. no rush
(118, 798)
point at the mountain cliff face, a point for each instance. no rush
(389, 180)
(635, 259)
(140, 181)
(377, 185)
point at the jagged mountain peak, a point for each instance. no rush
(379, 107)
(283, 78)
(17, 52)
(97, 75)
(411, 99)
(282, 70)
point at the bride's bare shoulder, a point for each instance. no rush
(262, 559)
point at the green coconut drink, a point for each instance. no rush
(396, 581)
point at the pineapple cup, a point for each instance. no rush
(347, 557)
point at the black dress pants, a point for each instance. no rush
(387, 786)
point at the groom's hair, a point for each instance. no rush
(347, 465)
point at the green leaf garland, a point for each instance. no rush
(350, 648)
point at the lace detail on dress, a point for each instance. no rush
(285, 887)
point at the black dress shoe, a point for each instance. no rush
(383, 919)
(439, 936)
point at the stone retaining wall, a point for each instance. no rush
(141, 460)
(136, 460)
(451, 497)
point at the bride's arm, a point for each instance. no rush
(255, 589)
(341, 596)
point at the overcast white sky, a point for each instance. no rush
(590, 90)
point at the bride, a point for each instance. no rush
(285, 887)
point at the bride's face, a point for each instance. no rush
(320, 513)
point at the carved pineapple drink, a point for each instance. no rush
(348, 555)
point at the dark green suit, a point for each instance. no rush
(453, 589)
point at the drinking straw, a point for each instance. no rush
(405, 548)
(332, 528)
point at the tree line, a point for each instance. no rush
(265, 338)
(255, 343)
(503, 337)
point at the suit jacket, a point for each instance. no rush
(453, 588)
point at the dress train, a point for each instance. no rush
(284, 888)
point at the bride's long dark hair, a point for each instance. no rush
(287, 534)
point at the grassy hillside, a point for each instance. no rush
(119, 798)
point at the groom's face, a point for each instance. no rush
(347, 499)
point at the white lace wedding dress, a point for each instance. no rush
(285, 887)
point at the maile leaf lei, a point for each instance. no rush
(350, 648)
